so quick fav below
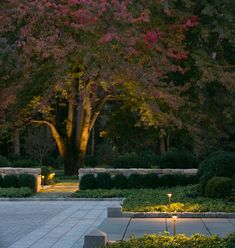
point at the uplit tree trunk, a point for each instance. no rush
(93, 142)
(80, 122)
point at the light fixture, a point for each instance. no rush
(174, 217)
(169, 198)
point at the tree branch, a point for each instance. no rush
(99, 108)
(58, 139)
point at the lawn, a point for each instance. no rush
(184, 199)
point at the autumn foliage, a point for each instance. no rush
(90, 52)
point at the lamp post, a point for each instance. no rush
(169, 199)
(174, 217)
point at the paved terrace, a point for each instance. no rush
(44, 224)
(123, 228)
(63, 224)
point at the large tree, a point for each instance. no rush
(77, 55)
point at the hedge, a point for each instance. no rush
(218, 187)
(134, 181)
(18, 181)
(219, 164)
(4, 162)
(178, 159)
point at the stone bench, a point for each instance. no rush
(36, 172)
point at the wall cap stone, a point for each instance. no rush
(128, 172)
(169, 214)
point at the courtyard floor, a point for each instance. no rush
(63, 224)
(124, 228)
(55, 224)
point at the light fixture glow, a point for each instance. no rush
(174, 217)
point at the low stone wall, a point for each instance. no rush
(16, 171)
(128, 172)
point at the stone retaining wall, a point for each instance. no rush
(16, 171)
(115, 211)
(128, 172)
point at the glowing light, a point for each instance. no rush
(169, 195)
(174, 217)
(169, 198)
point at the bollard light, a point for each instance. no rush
(169, 199)
(174, 217)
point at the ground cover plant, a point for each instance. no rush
(178, 241)
(184, 199)
(16, 192)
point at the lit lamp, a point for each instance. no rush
(169, 198)
(174, 217)
(43, 179)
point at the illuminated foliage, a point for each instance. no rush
(90, 52)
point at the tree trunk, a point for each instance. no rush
(162, 146)
(162, 142)
(93, 142)
(168, 142)
(70, 161)
(17, 143)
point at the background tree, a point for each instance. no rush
(38, 142)
(107, 48)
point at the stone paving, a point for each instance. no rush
(63, 224)
(124, 228)
(44, 224)
(62, 189)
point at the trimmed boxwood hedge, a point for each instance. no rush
(218, 164)
(120, 182)
(218, 187)
(18, 181)
(134, 181)
(11, 181)
(27, 180)
(88, 182)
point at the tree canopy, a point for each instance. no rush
(62, 61)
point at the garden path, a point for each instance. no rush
(62, 189)
(124, 228)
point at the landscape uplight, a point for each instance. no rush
(43, 179)
(174, 217)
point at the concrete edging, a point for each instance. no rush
(116, 211)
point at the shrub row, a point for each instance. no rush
(134, 181)
(145, 159)
(218, 187)
(217, 174)
(18, 181)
